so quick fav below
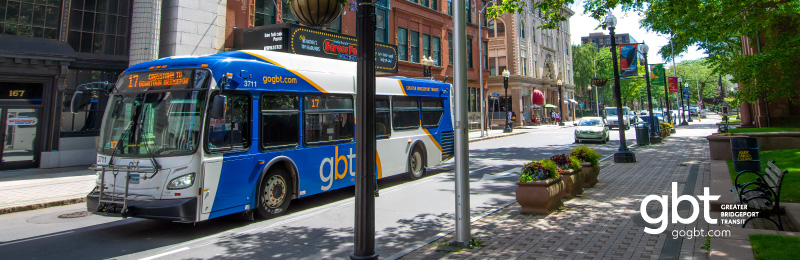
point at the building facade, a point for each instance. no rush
(49, 47)
(604, 40)
(539, 60)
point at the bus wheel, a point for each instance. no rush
(276, 193)
(416, 164)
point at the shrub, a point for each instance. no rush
(575, 163)
(586, 154)
(539, 171)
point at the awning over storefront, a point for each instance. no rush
(537, 98)
(549, 106)
(535, 106)
(573, 101)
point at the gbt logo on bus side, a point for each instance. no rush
(333, 163)
(676, 218)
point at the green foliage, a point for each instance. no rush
(586, 154)
(784, 159)
(539, 171)
(575, 163)
(774, 246)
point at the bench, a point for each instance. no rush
(762, 195)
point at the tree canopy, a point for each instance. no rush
(717, 27)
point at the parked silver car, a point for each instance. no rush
(592, 129)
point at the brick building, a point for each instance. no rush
(604, 40)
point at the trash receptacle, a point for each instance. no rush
(745, 154)
(642, 134)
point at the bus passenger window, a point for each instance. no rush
(405, 112)
(328, 118)
(382, 117)
(280, 120)
(432, 111)
(233, 132)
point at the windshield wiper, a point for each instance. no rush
(119, 143)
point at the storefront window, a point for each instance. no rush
(86, 122)
(99, 27)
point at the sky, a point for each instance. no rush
(581, 25)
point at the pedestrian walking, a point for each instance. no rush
(558, 118)
(523, 119)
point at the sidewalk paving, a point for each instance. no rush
(30, 189)
(604, 223)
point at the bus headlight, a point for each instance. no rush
(182, 182)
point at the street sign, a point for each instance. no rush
(494, 94)
(699, 102)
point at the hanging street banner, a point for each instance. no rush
(673, 84)
(627, 59)
(686, 93)
(657, 75)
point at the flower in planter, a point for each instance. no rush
(539, 171)
(561, 160)
(586, 154)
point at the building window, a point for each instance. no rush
(85, 122)
(432, 4)
(328, 118)
(485, 15)
(265, 12)
(491, 28)
(522, 29)
(533, 34)
(473, 104)
(30, 18)
(493, 66)
(468, 14)
(426, 45)
(99, 27)
(436, 48)
(450, 7)
(501, 28)
(413, 45)
(381, 21)
(469, 52)
(523, 61)
(287, 15)
(450, 48)
(485, 55)
(335, 25)
(402, 43)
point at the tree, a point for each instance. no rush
(716, 26)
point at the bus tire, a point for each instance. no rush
(416, 164)
(275, 193)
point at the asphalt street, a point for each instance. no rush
(316, 227)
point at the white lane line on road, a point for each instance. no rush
(165, 253)
(35, 238)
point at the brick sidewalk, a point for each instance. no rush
(605, 223)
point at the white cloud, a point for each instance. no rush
(581, 25)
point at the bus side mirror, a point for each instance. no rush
(219, 106)
(79, 101)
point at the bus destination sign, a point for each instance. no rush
(155, 80)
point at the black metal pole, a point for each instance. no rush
(654, 138)
(623, 154)
(364, 231)
(560, 106)
(507, 128)
(666, 99)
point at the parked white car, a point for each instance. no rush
(612, 118)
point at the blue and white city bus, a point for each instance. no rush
(193, 138)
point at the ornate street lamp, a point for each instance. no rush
(654, 138)
(316, 13)
(427, 63)
(507, 128)
(623, 154)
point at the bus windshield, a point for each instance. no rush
(148, 123)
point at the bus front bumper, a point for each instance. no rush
(179, 210)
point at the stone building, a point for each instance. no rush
(604, 40)
(537, 59)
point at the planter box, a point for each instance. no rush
(573, 183)
(590, 173)
(540, 197)
(720, 145)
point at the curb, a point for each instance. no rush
(42, 205)
(495, 137)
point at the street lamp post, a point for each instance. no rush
(560, 103)
(623, 154)
(688, 103)
(679, 95)
(507, 128)
(654, 138)
(427, 63)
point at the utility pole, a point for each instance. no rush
(463, 233)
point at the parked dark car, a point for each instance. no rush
(646, 121)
